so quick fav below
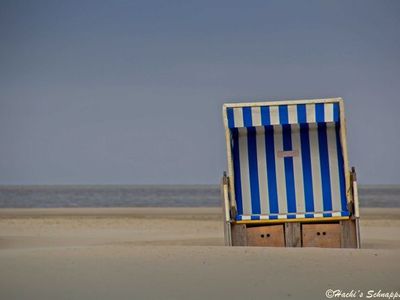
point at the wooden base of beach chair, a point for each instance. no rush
(339, 234)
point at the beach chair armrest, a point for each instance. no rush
(354, 187)
(225, 198)
(229, 207)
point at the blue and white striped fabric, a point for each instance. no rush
(287, 161)
(282, 114)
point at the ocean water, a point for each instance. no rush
(150, 196)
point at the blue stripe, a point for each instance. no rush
(327, 215)
(342, 183)
(265, 117)
(283, 114)
(307, 170)
(275, 217)
(309, 215)
(247, 120)
(253, 170)
(324, 164)
(301, 113)
(231, 118)
(236, 167)
(336, 116)
(345, 213)
(271, 170)
(319, 112)
(289, 172)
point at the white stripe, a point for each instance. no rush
(328, 115)
(262, 170)
(333, 167)
(264, 217)
(310, 110)
(316, 168)
(238, 116)
(298, 169)
(292, 112)
(244, 171)
(318, 215)
(244, 218)
(256, 115)
(280, 170)
(274, 115)
(300, 216)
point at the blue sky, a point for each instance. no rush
(121, 92)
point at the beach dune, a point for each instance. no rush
(178, 253)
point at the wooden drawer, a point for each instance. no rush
(266, 236)
(321, 235)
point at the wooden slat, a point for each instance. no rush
(293, 234)
(343, 141)
(355, 193)
(231, 185)
(225, 211)
(238, 235)
(349, 234)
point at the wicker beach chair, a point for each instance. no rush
(289, 182)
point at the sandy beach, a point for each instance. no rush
(178, 253)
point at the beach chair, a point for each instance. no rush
(289, 182)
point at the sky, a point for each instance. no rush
(131, 92)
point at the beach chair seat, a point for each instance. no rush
(287, 163)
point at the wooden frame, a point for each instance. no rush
(235, 231)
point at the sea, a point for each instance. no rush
(57, 196)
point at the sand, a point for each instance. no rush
(178, 253)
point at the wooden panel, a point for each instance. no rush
(238, 234)
(266, 236)
(293, 234)
(349, 234)
(321, 235)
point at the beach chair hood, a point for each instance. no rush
(287, 159)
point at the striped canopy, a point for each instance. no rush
(287, 160)
(248, 116)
